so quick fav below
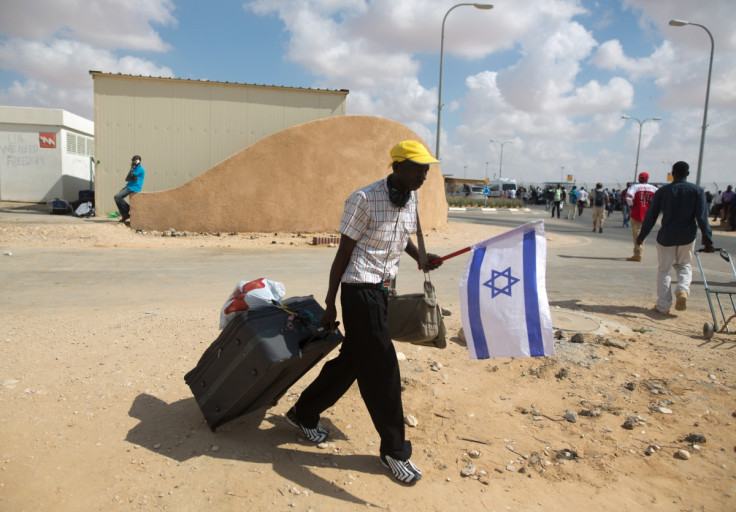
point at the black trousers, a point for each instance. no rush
(556, 206)
(368, 356)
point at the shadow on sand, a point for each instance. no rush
(178, 431)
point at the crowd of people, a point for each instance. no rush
(570, 202)
(722, 207)
(684, 208)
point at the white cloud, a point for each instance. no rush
(682, 70)
(544, 78)
(335, 42)
(57, 73)
(66, 63)
(55, 51)
(112, 24)
(40, 94)
(660, 63)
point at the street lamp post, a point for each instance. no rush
(500, 163)
(638, 145)
(442, 51)
(681, 23)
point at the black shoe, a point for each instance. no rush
(403, 470)
(316, 435)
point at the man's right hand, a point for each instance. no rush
(329, 318)
(709, 248)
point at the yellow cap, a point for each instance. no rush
(413, 151)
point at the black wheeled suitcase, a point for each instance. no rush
(259, 355)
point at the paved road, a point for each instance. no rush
(593, 268)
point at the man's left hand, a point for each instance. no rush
(434, 262)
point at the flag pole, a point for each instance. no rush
(447, 257)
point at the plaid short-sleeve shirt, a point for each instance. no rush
(381, 231)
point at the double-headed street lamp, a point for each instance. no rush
(442, 51)
(500, 163)
(638, 145)
(681, 23)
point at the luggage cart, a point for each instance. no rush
(709, 329)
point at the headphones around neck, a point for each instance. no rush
(397, 197)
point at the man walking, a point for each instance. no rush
(625, 207)
(638, 198)
(582, 200)
(375, 227)
(600, 204)
(572, 207)
(682, 205)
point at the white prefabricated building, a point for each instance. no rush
(44, 154)
(181, 127)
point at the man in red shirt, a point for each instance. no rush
(638, 197)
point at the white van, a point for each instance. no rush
(498, 188)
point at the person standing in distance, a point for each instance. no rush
(375, 226)
(557, 204)
(133, 185)
(638, 198)
(726, 199)
(682, 206)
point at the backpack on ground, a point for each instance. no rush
(59, 207)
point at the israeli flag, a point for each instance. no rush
(503, 297)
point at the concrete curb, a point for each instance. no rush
(488, 210)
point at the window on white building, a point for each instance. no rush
(79, 144)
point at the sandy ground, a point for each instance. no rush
(95, 415)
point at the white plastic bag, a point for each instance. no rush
(84, 210)
(249, 295)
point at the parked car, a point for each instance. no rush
(472, 191)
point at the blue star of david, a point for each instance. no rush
(496, 290)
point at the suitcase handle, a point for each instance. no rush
(318, 333)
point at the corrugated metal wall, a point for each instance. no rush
(181, 128)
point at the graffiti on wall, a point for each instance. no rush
(20, 150)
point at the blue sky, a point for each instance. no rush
(553, 77)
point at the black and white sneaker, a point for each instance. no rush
(403, 470)
(316, 435)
